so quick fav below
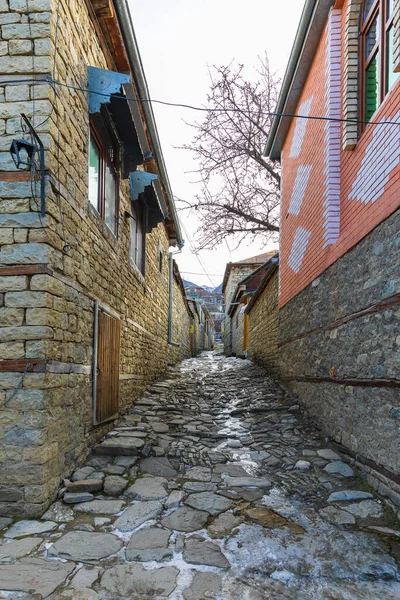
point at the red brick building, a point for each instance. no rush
(339, 288)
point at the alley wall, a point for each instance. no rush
(340, 261)
(53, 269)
(263, 326)
(237, 325)
(182, 319)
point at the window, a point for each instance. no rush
(160, 261)
(377, 34)
(103, 179)
(137, 244)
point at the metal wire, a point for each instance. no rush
(51, 81)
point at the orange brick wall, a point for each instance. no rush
(357, 217)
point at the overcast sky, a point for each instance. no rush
(177, 40)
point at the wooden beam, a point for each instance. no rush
(373, 308)
(36, 365)
(25, 270)
(15, 175)
(385, 383)
(103, 8)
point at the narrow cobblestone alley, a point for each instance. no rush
(215, 485)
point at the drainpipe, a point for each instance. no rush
(94, 367)
(171, 279)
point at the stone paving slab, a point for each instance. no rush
(128, 446)
(209, 502)
(148, 544)
(186, 519)
(233, 494)
(101, 507)
(34, 575)
(24, 528)
(82, 546)
(199, 551)
(14, 550)
(148, 488)
(131, 581)
(137, 514)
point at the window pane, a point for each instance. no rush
(389, 8)
(371, 87)
(367, 7)
(133, 236)
(94, 172)
(372, 37)
(137, 236)
(391, 76)
(111, 198)
(139, 243)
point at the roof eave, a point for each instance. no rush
(272, 268)
(132, 50)
(307, 38)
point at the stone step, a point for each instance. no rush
(119, 446)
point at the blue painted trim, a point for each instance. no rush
(102, 84)
(139, 180)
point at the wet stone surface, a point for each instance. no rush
(214, 485)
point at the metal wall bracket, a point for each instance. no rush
(102, 84)
(139, 180)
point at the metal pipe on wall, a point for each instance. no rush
(171, 279)
(95, 351)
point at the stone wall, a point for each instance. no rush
(54, 268)
(235, 276)
(181, 322)
(263, 326)
(237, 325)
(339, 350)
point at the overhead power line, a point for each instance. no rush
(51, 81)
(197, 256)
(210, 274)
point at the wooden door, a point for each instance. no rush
(107, 379)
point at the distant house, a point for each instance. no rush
(261, 311)
(206, 332)
(239, 320)
(234, 273)
(194, 328)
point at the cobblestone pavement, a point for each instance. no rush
(214, 486)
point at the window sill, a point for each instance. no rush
(136, 271)
(111, 238)
(377, 115)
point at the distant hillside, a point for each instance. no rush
(190, 284)
(218, 290)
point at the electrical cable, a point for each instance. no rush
(192, 273)
(54, 66)
(196, 255)
(34, 169)
(51, 81)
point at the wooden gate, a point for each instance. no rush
(106, 387)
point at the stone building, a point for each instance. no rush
(262, 314)
(181, 320)
(237, 311)
(206, 327)
(339, 293)
(234, 273)
(194, 327)
(87, 319)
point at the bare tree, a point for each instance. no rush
(239, 194)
